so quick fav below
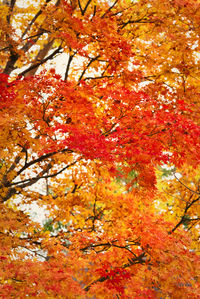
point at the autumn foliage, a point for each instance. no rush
(100, 129)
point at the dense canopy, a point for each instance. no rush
(100, 129)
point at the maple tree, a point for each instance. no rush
(90, 141)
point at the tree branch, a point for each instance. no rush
(42, 158)
(185, 185)
(12, 4)
(88, 65)
(86, 6)
(79, 4)
(31, 181)
(68, 65)
(137, 260)
(109, 9)
(34, 19)
(184, 217)
(99, 77)
(36, 65)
